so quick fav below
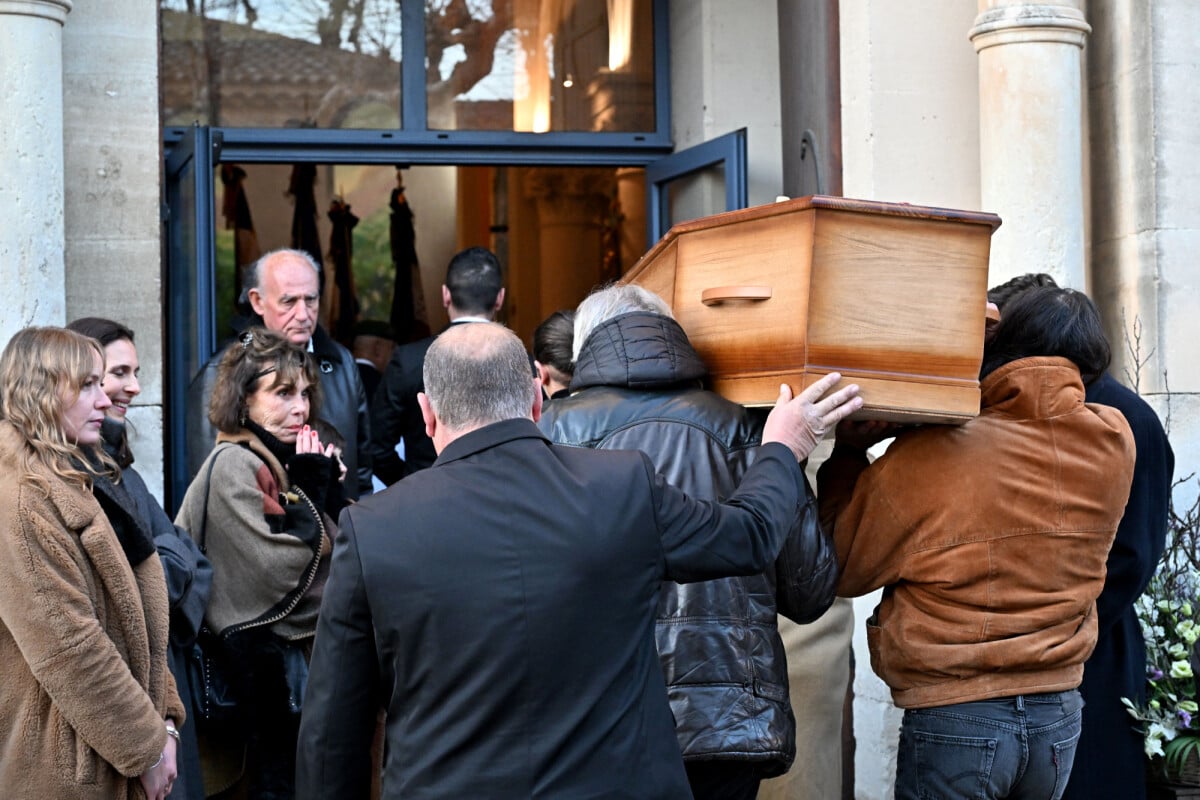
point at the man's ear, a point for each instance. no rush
(499, 301)
(537, 399)
(445, 296)
(256, 302)
(427, 415)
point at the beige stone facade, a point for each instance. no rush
(1076, 122)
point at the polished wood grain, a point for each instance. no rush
(889, 294)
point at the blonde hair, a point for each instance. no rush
(42, 371)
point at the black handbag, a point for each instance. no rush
(213, 679)
(213, 699)
(295, 677)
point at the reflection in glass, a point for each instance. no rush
(540, 65)
(521, 65)
(281, 63)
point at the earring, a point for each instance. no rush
(242, 418)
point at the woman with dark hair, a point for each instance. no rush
(258, 508)
(188, 573)
(552, 353)
(89, 707)
(989, 541)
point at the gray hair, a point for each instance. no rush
(613, 301)
(252, 273)
(477, 373)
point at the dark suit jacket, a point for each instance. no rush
(396, 417)
(1108, 759)
(500, 605)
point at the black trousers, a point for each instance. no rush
(723, 780)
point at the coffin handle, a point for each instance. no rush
(720, 294)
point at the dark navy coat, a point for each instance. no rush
(1109, 761)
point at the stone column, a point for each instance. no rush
(31, 151)
(572, 205)
(1031, 140)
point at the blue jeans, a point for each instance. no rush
(1009, 747)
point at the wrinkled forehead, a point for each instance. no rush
(291, 277)
(288, 375)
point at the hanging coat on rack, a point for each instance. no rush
(236, 210)
(304, 213)
(343, 300)
(408, 318)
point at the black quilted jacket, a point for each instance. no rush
(637, 385)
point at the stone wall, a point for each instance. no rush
(112, 200)
(1144, 115)
(910, 133)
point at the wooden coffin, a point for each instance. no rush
(890, 295)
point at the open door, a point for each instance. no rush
(189, 290)
(705, 179)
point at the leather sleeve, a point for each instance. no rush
(703, 540)
(806, 571)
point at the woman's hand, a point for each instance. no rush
(159, 779)
(309, 441)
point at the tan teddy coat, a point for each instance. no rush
(84, 685)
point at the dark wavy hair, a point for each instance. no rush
(1002, 294)
(1049, 321)
(552, 341)
(106, 331)
(259, 354)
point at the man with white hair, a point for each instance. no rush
(283, 291)
(638, 384)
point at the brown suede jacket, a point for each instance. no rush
(84, 685)
(989, 539)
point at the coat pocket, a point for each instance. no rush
(75, 759)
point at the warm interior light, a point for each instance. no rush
(620, 33)
(568, 81)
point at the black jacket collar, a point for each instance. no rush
(489, 436)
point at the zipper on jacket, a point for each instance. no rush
(310, 575)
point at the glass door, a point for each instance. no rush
(189, 288)
(695, 182)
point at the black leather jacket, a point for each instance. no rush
(344, 407)
(637, 385)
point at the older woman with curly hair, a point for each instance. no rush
(260, 507)
(88, 708)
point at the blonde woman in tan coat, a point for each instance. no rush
(88, 708)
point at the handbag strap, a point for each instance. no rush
(204, 515)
